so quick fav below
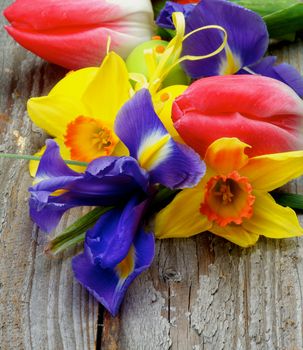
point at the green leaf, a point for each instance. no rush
(283, 17)
(163, 197)
(294, 201)
(75, 233)
(265, 7)
(286, 21)
(158, 5)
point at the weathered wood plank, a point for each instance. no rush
(41, 306)
(206, 293)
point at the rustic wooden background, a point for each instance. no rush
(200, 293)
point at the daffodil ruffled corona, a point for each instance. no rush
(232, 199)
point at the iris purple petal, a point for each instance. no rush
(111, 237)
(164, 18)
(51, 164)
(283, 72)
(112, 184)
(175, 173)
(136, 121)
(247, 38)
(246, 44)
(138, 126)
(126, 166)
(47, 217)
(108, 285)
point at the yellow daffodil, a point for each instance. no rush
(80, 111)
(232, 200)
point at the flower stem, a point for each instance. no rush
(29, 157)
(163, 197)
(75, 233)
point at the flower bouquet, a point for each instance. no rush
(164, 129)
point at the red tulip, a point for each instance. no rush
(186, 1)
(74, 33)
(260, 111)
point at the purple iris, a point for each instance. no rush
(247, 43)
(117, 248)
(164, 18)
(283, 72)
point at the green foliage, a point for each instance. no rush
(75, 233)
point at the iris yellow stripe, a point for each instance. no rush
(231, 65)
(150, 154)
(127, 265)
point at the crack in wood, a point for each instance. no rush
(100, 326)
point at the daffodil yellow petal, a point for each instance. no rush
(273, 170)
(226, 154)
(120, 150)
(75, 83)
(182, 217)
(54, 113)
(65, 154)
(236, 234)
(109, 89)
(272, 220)
(163, 102)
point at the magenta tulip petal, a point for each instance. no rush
(54, 14)
(74, 33)
(260, 111)
(283, 72)
(63, 49)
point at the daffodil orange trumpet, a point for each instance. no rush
(80, 111)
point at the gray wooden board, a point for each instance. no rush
(200, 293)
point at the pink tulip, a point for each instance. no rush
(74, 33)
(260, 111)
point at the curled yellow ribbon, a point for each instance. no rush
(159, 69)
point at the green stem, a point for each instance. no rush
(292, 200)
(29, 157)
(163, 197)
(75, 233)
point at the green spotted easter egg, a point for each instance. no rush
(135, 63)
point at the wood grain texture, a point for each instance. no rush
(41, 306)
(200, 293)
